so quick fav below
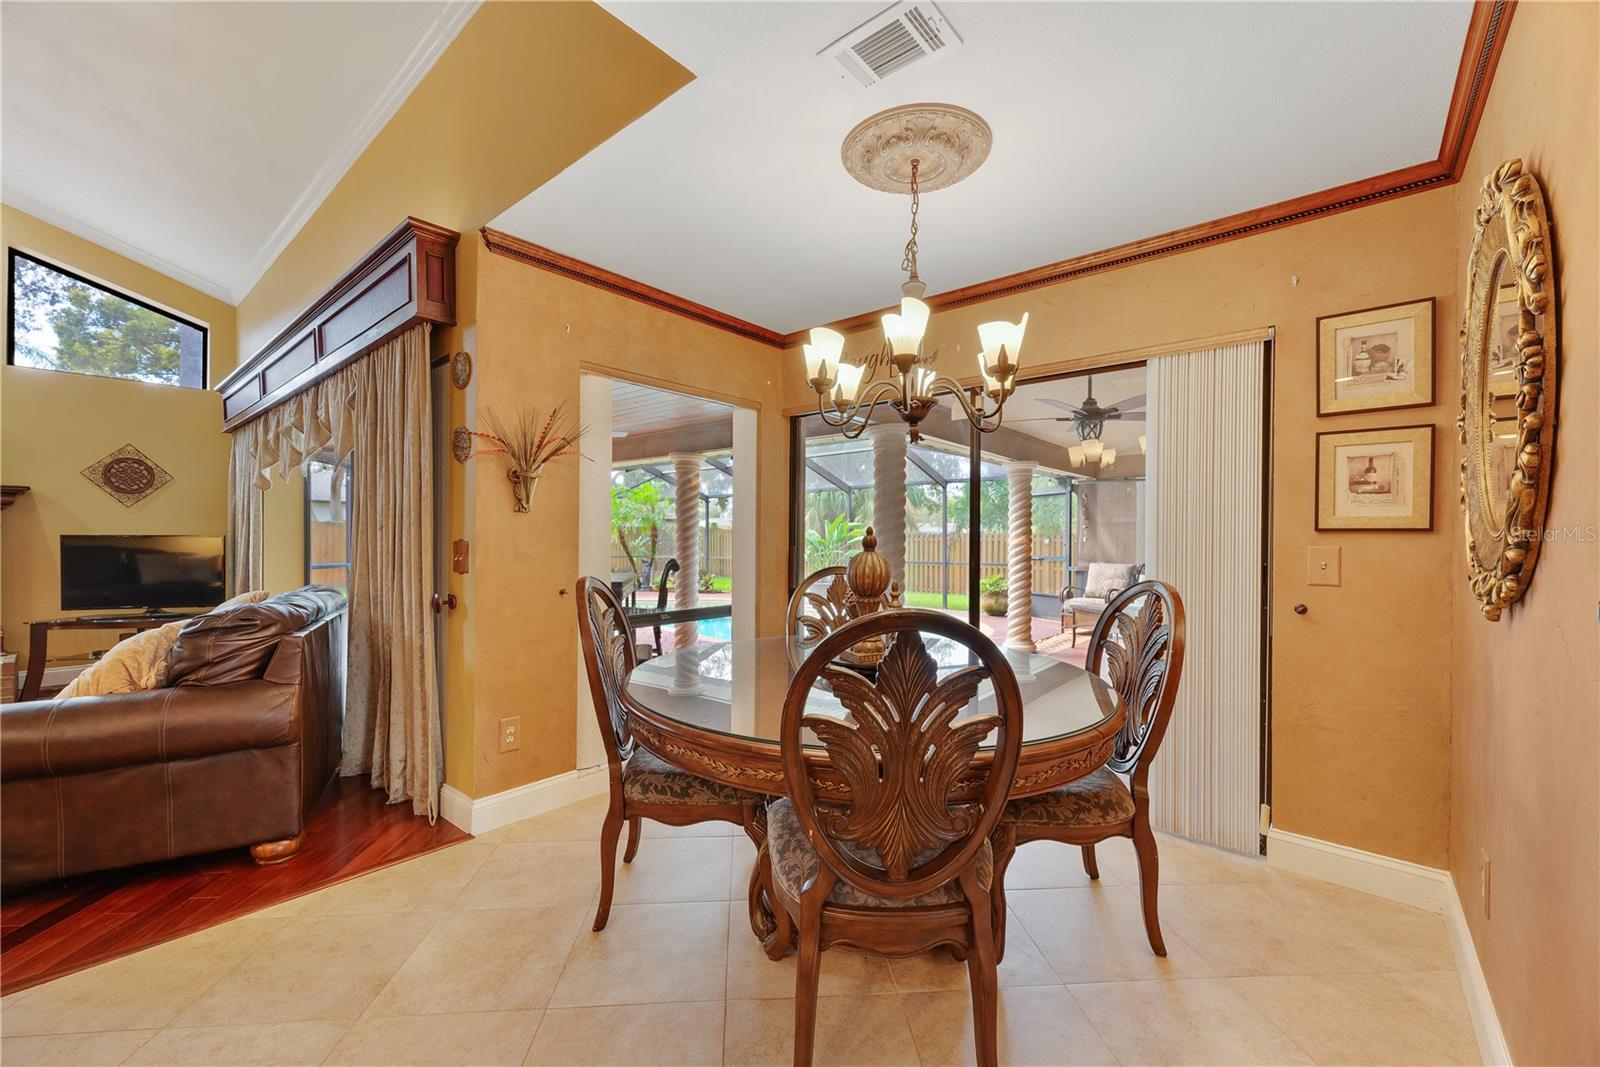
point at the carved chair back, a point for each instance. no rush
(905, 754)
(1137, 646)
(819, 606)
(608, 655)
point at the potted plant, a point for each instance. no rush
(992, 595)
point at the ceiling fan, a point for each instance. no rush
(1089, 418)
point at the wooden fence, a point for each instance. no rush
(924, 560)
(927, 569)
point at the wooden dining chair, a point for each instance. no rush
(1137, 646)
(819, 606)
(643, 786)
(905, 864)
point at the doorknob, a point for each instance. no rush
(1299, 609)
(440, 603)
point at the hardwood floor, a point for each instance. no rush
(56, 928)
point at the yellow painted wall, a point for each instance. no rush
(1361, 700)
(1527, 718)
(52, 425)
(536, 332)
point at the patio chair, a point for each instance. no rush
(1082, 606)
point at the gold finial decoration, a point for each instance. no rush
(867, 575)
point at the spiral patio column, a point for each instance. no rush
(1019, 558)
(686, 499)
(889, 495)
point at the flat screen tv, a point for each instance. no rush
(104, 572)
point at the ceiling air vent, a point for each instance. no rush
(891, 41)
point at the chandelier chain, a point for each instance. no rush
(909, 262)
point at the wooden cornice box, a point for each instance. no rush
(410, 277)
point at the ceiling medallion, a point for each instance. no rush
(948, 143)
(127, 474)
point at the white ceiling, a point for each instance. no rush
(1112, 122)
(198, 138)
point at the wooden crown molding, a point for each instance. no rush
(516, 248)
(407, 278)
(1485, 40)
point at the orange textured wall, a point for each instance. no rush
(537, 331)
(1527, 718)
(1361, 725)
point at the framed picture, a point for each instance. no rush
(1375, 479)
(1375, 359)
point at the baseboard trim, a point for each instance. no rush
(1492, 1048)
(479, 815)
(1382, 876)
(1407, 883)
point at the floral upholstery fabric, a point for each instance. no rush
(795, 864)
(652, 780)
(1097, 799)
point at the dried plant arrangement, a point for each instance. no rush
(528, 445)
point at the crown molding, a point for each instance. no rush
(94, 235)
(446, 25)
(1486, 33)
(512, 247)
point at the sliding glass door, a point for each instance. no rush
(1072, 445)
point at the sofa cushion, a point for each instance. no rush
(795, 865)
(139, 662)
(236, 645)
(1106, 580)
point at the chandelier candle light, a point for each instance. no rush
(892, 151)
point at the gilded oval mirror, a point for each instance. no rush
(1508, 387)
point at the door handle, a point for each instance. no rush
(446, 601)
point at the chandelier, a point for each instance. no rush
(906, 149)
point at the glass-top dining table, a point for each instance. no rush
(715, 708)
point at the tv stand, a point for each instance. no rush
(39, 631)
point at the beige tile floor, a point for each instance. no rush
(482, 954)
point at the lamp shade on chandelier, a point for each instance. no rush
(889, 151)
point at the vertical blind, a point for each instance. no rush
(1205, 485)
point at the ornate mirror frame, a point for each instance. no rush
(1504, 489)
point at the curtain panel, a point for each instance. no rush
(378, 408)
(244, 513)
(1203, 481)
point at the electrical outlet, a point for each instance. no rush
(1483, 879)
(511, 733)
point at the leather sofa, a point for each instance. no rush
(233, 751)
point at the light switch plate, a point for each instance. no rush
(1322, 565)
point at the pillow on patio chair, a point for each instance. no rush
(1106, 580)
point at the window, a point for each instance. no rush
(63, 321)
(328, 524)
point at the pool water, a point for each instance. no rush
(716, 629)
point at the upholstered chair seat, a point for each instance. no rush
(1098, 799)
(648, 778)
(643, 785)
(1087, 604)
(795, 865)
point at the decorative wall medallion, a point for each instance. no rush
(461, 369)
(948, 143)
(127, 474)
(461, 444)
